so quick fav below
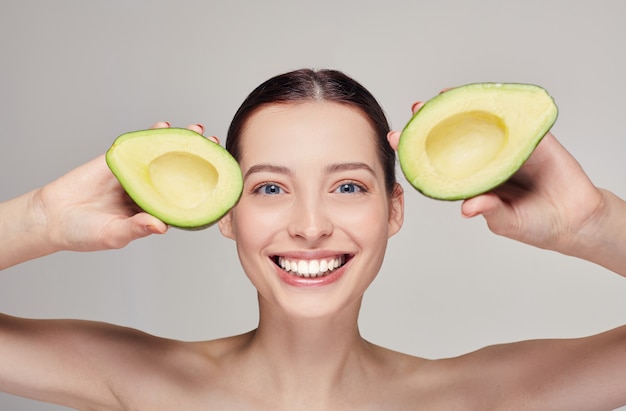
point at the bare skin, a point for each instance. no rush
(307, 352)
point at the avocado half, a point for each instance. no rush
(470, 139)
(177, 175)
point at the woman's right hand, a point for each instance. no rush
(85, 210)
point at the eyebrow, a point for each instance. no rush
(259, 168)
(333, 168)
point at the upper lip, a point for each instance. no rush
(312, 255)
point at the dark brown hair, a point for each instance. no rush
(309, 85)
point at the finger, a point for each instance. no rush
(499, 215)
(161, 124)
(198, 128)
(120, 232)
(482, 204)
(394, 138)
(416, 106)
(143, 224)
(443, 90)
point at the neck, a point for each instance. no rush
(315, 354)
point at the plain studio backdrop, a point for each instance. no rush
(76, 74)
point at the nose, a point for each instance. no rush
(309, 219)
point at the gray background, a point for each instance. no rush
(76, 74)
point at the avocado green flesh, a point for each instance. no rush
(473, 138)
(176, 175)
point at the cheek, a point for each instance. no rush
(253, 226)
(368, 223)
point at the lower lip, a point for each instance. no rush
(310, 282)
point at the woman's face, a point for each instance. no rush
(314, 218)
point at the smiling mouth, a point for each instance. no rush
(311, 268)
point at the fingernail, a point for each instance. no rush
(168, 123)
(201, 127)
(153, 229)
(414, 106)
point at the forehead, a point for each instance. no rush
(306, 130)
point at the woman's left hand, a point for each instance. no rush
(551, 203)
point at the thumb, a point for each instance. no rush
(143, 224)
(482, 204)
(121, 232)
(499, 215)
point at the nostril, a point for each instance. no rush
(311, 231)
(309, 218)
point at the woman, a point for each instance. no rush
(320, 201)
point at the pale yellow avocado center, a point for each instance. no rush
(464, 143)
(184, 179)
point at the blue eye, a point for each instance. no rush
(350, 188)
(269, 189)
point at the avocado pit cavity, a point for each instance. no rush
(464, 143)
(183, 179)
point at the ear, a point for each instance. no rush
(226, 225)
(396, 210)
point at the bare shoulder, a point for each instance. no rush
(161, 373)
(549, 374)
(404, 381)
(96, 365)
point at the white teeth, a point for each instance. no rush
(314, 267)
(311, 268)
(323, 266)
(303, 268)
